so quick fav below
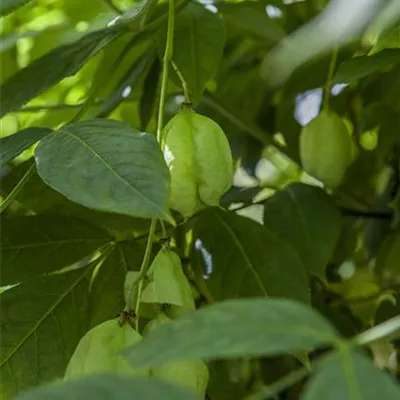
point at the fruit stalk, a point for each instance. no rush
(160, 124)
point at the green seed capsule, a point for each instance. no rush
(168, 283)
(190, 374)
(98, 351)
(326, 148)
(198, 155)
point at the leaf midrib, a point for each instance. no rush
(243, 253)
(41, 320)
(115, 173)
(349, 373)
(301, 331)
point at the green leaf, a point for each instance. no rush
(148, 99)
(251, 17)
(307, 218)
(246, 259)
(35, 245)
(15, 144)
(235, 328)
(108, 387)
(198, 45)
(42, 321)
(104, 165)
(360, 67)
(9, 6)
(46, 71)
(348, 375)
(39, 198)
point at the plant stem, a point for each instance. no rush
(19, 186)
(385, 215)
(157, 22)
(163, 229)
(328, 83)
(347, 212)
(160, 124)
(165, 64)
(144, 267)
(183, 81)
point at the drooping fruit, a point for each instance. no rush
(167, 282)
(99, 351)
(199, 158)
(190, 374)
(326, 148)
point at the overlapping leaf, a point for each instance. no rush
(305, 217)
(245, 259)
(108, 387)
(41, 323)
(13, 145)
(46, 71)
(234, 328)
(348, 375)
(35, 245)
(104, 165)
(39, 198)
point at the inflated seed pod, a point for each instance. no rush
(198, 155)
(99, 351)
(326, 149)
(190, 374)
(167, 282)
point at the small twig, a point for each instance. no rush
(183, 82)
(328, 83)
(348, 212)
(163, 229)
(165, 67)
(144, 267)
